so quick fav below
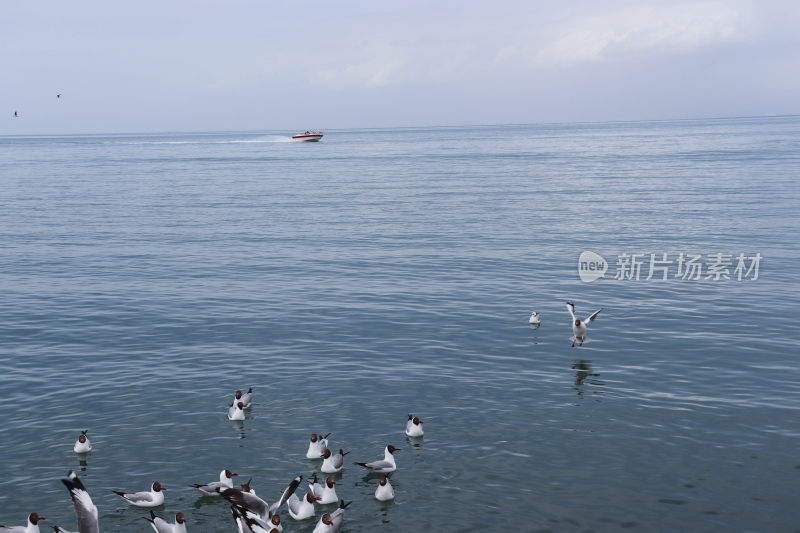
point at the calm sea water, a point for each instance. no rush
(144, 278)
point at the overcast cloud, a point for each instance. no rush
(197, 65)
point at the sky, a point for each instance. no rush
(265, 65)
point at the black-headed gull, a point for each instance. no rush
(317, 444)
(332, 462)
(249, 523)
(535, 319)
(384, 491)
(326, 492)
(236, 412)
(301, 509)
(414, 426)
(32, 527)
(255, 505)
(332, 523)
(85, 510)
(246, 398)
(82, 445)
(578, 325)
(386, 465)
(151, 498)
(214, 488)
(162, 526)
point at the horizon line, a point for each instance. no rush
(431, 126)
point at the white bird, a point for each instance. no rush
(246, 398)
(162, 526)
(253, 504)
(236, 412)
(301, 509)
(214, 488)
(414, 427)
(82, 445)
(332, 463)
(386, 465)
(249, 523)
(151, 498)
(332, 523)
(535, 319)
(84, 508)
(578, 326)
(32, 527)
(384, 491)
(316, 446)
(325, 492)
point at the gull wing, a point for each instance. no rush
(571, 309)
(593, 316)
(84, 508)
(246, 501)
(285, 496)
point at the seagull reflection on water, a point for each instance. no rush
(583, 370)
(238, 425)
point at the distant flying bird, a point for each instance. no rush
(58, 95)
(15, 114)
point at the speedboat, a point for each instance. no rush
(310, 136)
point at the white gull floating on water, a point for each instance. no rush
(32, 527)
(384, 492)
(333, 462)
(83, 445)
(162, 526)
(214, 488)
(386, 465)
(317, 445)
(332, 523)
(326, 492)
(151, 498)
(414, 427)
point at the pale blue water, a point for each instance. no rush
(144, 278)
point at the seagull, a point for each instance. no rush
(84, 508)
(301, 509)
(32, 526)
(253, 504)
(213, 488)
(317, 445)
(162, 526)
(236, 412)
(152, 498)
(332, 463)
(248, 523)
(578, 326)
(82, 445)
(385, 466)
(414, 427)
(326, 492)
(384, 492)
(246, 398)
(535, 319)
(332, 523)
